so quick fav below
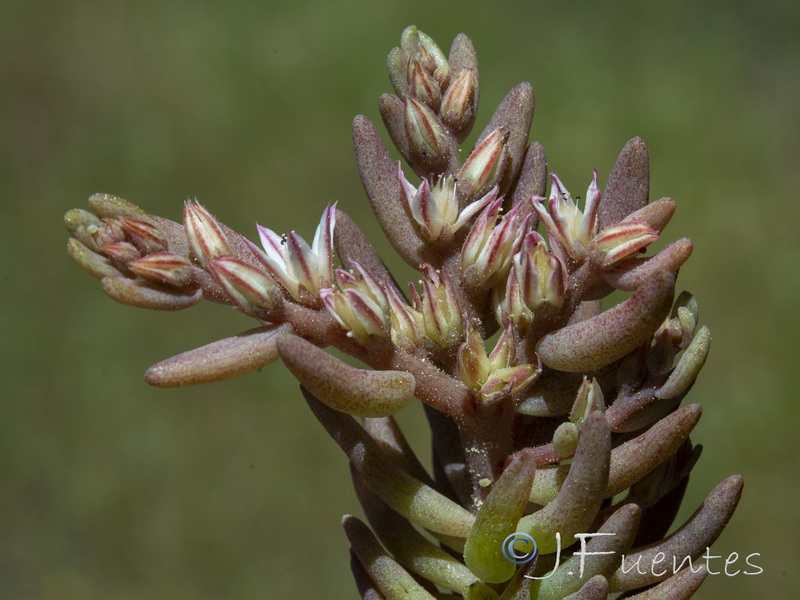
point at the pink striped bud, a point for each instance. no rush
(588, 400)
(206, 237)
(442, 320)
(169, 269)
(247, 287)
(422, 85)
(145, 235)
(406, 322)
(537, 280)
(458, 104)
(487, 165)
(121, 252)
(421, 47)
(427, 137)
(618, 242)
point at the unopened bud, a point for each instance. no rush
(405, 321)
(620, 241)
(144, 234)
(423, 86)
(505, 382)
(170, 269)
(473, 364)
(111, 233)
(441, 315)
(428, 140)
(247, 287)
(487, 253)
(486, 166)
(359, 305)
(206, 237)
(458, 105)
(420, 46)
(121, 252)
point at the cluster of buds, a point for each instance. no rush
(572, 424)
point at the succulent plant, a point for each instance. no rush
(560, 445)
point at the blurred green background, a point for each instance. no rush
(112, 489)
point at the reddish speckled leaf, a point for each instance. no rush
(692, 539)
(219, 360)
(142, 294)
(581, 495)
(609, 336)
(359, 392)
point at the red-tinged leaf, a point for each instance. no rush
(142, 294)
(609, 336)
(532, 177)
(379, 176)
(633, 460)
(515, 114)
(581, 495)
(628, 185)
(223, 359)
(691, 540)
(359, 392)
(394, 582)
(633, 273)
(93, 263)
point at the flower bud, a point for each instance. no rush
(473, 364)
(428, 140)
(495, 376)
(111, 233)
(169, 269)
(458, 104)
(145, 235)
(247, 287)
(537, 280)
(405, 321)
(486, 166)
(121, 252)
(442, 320)
(420, 46)
(423, 86)
(618, 242)
(565, 439)
(206, 237)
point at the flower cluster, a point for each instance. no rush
(549, 415)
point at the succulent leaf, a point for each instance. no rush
(497, 518)
(223, 359)
(359, 392)
(609, 336)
